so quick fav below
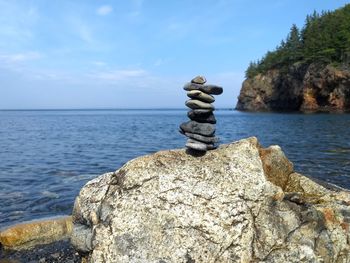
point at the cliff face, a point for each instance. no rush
(303, 88)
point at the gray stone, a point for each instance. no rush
(199, 80)
(219, 207)
(202, 117)
(205, 139)
(202, 111)
(200, 95)
(197, 104)
(209, 89)
(195, 145)
(205, 129)
(201, 145)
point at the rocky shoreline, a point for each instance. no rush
(238, 203)
(303, 88)
(56, 252)
(45, 240)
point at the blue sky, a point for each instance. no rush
(137, 53)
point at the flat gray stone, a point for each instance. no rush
(201, 138)
(209, 89)
(200, 95)
(202, 117)
(208, 146)
(199, 80)
(205, 129)
(202, 111)
(196, 146)
(197, 104)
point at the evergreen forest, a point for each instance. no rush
(324, 39)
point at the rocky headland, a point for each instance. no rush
(237, 203)
(304, 88)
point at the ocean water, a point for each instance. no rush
(47, 156)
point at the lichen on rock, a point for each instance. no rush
(238, 203)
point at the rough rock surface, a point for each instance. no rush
(302, 88)
(238, 203)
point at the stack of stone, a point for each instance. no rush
(201, 129)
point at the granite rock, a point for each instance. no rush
(38, 232)
(219, 207)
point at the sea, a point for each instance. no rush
(46, 156)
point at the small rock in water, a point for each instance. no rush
(205, 129)
(209, 89)
(200, 95)
(205, 139)
(202, 117)
(199, 80)
(197, 104)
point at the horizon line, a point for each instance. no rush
(87, 109)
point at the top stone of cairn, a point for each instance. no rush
(199, 80)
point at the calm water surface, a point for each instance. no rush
(47, 156)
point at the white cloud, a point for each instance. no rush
(20, 57)
(119, 75)
(104, 10)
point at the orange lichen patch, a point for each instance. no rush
(329, 215)
(36, 232)
(278, 196)
(277, 168)
(345, 226)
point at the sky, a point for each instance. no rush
(73, 54)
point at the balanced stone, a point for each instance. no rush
(209, 89)
(201, 144)
(199, 80)
(202, 117)
(196, 146)
(200, 95)
(197, 104)
(205, 139)
(202, 111)
(205, 129)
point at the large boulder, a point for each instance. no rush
(239, 203)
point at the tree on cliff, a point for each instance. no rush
(325, 38)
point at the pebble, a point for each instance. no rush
(199, 80)
(209, 89)
(197, 146)
(200, 95)
(197, 104)
(205, 139)
(205, 129)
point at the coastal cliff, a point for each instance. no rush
(238, 203)
(308, 71)
(303, 88)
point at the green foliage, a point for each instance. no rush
(325, 38)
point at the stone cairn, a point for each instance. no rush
(200, 130)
